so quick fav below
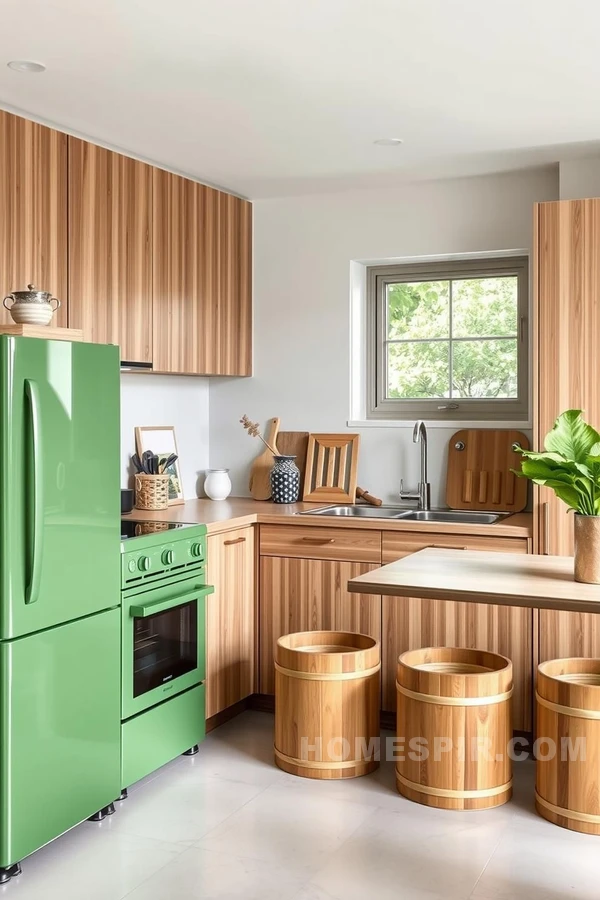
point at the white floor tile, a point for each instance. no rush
(289, 828)
(204, 875)
(540, 861)
(181, 807)
(90, 862)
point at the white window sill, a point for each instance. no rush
(435, 423)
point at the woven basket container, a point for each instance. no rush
(151, 491)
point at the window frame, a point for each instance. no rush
(379, 407)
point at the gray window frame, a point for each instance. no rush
(484, 410)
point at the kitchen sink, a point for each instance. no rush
(464, 517)
(359, 512)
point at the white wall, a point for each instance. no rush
(579, 178)
(303, 250)
(167, 400)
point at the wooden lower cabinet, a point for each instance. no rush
(230, 619)
(308, 595)
(411, 623)
(565, 634)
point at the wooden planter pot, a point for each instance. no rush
(568, 737)
(454, 728)
(327, 704)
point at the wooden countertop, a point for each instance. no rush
(223, 515)
(507, 579)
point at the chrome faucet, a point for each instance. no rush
(423, 492)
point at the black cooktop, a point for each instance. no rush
(131, 529)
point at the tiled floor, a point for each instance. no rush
(227, 824)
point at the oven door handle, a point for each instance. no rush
(143, 610)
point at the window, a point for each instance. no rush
(448, 340)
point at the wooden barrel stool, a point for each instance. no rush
(327, 704)
(454, 727)
(567, 790)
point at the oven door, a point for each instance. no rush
(163, 645)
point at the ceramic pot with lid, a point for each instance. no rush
(31, 307)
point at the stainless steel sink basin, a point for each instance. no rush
(361, 512)
(462, 516)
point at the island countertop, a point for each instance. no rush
(506, 579)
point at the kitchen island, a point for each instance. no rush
(504, 579)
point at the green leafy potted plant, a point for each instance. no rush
(570, 466)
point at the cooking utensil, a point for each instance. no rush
(260, 484)
(479, 476)
(294, 443)
(331, 467)
(367, 497)
(137, 462)
(31, 307)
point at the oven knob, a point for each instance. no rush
(196, 550)
(144, 563)
(168, 557)
(131, 565)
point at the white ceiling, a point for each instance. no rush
(273, 97)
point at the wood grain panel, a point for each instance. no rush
(110, 272)
(33, 210)
(395, 545)
(230, 619)
(567, 311)
(201, 279)
(412, 623)
(310, 595)
(310, 541)
(480, 474)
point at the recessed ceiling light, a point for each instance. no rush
(388, 142)
(26, 65)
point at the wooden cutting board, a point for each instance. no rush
(331, 468)
(479, 476)
(260, 481)
(294, 443)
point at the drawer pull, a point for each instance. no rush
(318, 541)
(239, 540)
(446, 547)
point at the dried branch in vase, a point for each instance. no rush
(253, 430)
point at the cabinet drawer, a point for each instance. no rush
(313, 542)
(395, 545)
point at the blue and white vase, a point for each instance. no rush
(285, 480)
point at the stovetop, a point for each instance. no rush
(130, 529)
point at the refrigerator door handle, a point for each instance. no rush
(36, 510)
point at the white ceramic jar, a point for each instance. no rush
(217, 484)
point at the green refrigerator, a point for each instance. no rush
(59, 589)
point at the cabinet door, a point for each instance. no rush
(309, 595)
(411, 623)
(230, 617)
(110, 275)
(201, 279)
(567, 301)
(33, 210)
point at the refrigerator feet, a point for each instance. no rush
(123, 795)
(192, 751)
(9, 872)
(102, 813)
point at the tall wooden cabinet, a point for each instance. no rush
(33, 210)
(230, 619)
(201, 264)
(110, 266)
(567, 314)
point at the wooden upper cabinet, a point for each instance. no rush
(567, 300)
(110, 270)
(202, 276)
(33, 210)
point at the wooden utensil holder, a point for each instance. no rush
(152, 491)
